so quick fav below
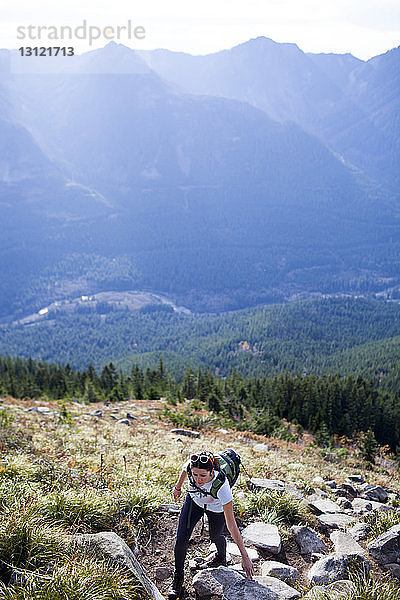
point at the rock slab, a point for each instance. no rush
(279, 570)
(308, 540)
(385, 549)
(336, 566)
(263, 535)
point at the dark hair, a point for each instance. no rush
(211, 463)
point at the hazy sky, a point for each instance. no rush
(363, 27)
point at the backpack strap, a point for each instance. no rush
(217, 484)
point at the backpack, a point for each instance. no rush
(229, 461)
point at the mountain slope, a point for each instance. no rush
(352, 106)
(204, 198)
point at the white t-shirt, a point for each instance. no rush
(224, 494)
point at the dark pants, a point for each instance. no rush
(191, 514)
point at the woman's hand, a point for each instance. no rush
(248, 566)
(176, 492)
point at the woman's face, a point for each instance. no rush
(201, 476)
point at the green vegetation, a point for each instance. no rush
(344, 335)
(326, 405)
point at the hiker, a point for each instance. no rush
(202, 470)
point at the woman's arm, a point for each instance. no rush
(177, 491)
(247, 563)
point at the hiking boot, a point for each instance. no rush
(216, 561)
(176, 586)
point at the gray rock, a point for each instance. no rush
(308, 540)
(109, 545)
(334, 591)
(261, 448)
(263, 535)
(96, 413)
(344, 543)
(343, 493)
(206, 585)
(355, 479)
(271, 589)
(123, 422)
(172, 509)
(43, 410)
(360, 531)
(321, 506)
(284, 572)
(361, 505)
(344, 503)
(394, 570)
(376, 493)
(385, 549)
(185, 432)
(318, 480)
(162, 573)
(335, 521)
(336, 566)
(349, 489)
(275, 485)
(331, 484)
(129, 416)
(213, 582)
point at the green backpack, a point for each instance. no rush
(229, 461)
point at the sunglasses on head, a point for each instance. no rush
(202, 459)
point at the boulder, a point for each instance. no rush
(131, 417)
(96, 413)
(344, 543)
(361, 505)
(110, 546)
(355, 479)
(185, 432)
(271, 589)
(335, 521)
(318, 480)
(394, 570)
(337, 590)
(331, 484)
(213, 582)
(344, 503)
(279, 570)
(308, 540)
(206, 585)
(385, 549)
(349, 489)
(262, 448)
(321, 506)
(376, 493)
(263, 535)
(275, 485)
(360, 531)
(336, 566)
(123, 422)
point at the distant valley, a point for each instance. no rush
(122, 171)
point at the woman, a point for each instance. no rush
(203, 469)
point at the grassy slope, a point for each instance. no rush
(89, 465)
